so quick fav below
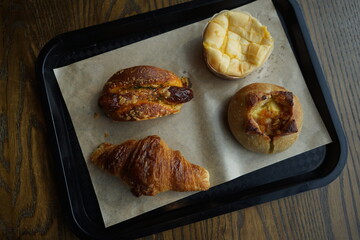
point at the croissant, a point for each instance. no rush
(149, 166)
(144, 92)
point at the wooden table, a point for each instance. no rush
(29, 205)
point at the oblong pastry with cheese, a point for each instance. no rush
(265, 118)
(144, 92)
(235, 44)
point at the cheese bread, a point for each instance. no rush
(265, 118)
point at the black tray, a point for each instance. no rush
(306, 171)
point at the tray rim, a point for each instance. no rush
(63, 184)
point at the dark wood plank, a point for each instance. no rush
(29, 204)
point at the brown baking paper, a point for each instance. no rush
(200, 130)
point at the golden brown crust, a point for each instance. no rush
(235, 44)
(144, 92)
(265, 117)
(149, 166)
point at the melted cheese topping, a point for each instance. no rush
(271, 117)
(235, 43)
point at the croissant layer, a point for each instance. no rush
(149, 166)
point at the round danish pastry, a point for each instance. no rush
(235, 44)
(265, 118)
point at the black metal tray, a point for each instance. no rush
(303, 172)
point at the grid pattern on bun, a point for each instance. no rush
(235, 44)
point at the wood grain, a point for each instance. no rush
(29, 205)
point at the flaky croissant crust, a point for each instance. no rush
(149, 166)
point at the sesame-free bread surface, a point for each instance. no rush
(235, 44)
(265, 118)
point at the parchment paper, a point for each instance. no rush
(200, 130)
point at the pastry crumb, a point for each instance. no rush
(106, 135)
(96, 115)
